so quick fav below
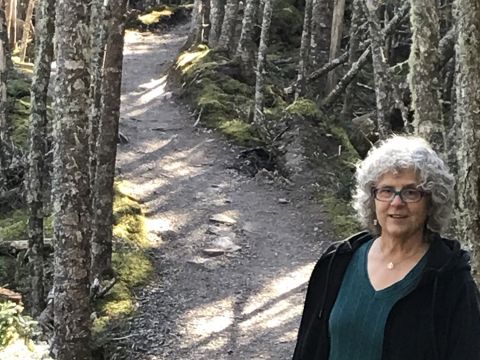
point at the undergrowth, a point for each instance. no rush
(132, 267)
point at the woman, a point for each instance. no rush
(399, 291)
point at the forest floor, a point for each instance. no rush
(226, 289)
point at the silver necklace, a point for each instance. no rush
(391, 265)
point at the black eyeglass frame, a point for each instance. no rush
(399, 193)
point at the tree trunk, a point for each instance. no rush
(70, 186)
(4, 139)
(200, 22)
(246, 45)
(45, 17)
(98, 40)
(468, 119)
(107, 144)
(353, 50)
(379, 66)
(321, 27)
(217, 12)
(304, 50)
(228, 26)
(424, 71)
(259, 117)
(336, 38)
(26, 30)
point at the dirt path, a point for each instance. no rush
(244, 304)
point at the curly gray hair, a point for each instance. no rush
(392, 155)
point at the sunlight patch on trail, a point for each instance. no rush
(156, 90)
(278, 287)
(269, 310)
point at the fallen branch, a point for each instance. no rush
(7, 294)
(15, 246)
(346, 79)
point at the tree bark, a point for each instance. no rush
(304, 50)
(200, 22)
(321, 26)
(353, 51)
(4, 140)
(346, 79)
(228, 26)
(107, 144)
(45, 18)
(70, 186)
(424, 70)
(217, 12)
(467, 117)
(336, 38)
(379, 66)
(246, 45)
(98, 40)
(259, 116)
(26, 30)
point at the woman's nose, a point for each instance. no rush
(397, 200)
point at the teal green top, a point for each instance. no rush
(357, 321)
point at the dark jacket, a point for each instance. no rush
(438, 320)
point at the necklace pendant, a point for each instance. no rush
(390, 266)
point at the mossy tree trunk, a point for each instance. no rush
(70, 185)
(320, 34)
(4, 141)
(259, 116)
(37, 148)
(217, 12)
(467, 117)
(107, 143)
(380, 73)
(246, 45)
(424, 73)
(303, 68)
(228, 27)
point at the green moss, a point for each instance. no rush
(188, 59)
(223, 102)
(133, 267)
(349, 156)
(130, 262)
(340, 215)
(155, 16)
(129, 221)
(237, 130)
(235, 87)
(19, 119)
(304, 108)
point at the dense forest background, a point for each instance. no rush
(306, 87)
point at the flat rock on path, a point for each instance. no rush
(244, 303)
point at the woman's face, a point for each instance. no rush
(399, 219)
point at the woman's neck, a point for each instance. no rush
(393, 245)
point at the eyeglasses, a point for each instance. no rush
(408, 195)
